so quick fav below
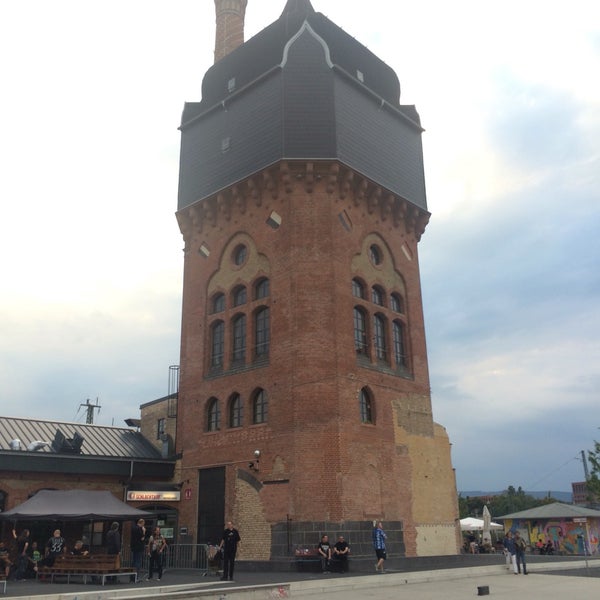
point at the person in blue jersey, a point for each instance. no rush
(379, 538)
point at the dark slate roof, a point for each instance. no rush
(555, 510)
(98, 440)
(265, 50)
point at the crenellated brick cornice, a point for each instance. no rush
(284, 178)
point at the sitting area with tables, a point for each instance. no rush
(97, 567)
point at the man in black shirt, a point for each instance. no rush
(229, 543)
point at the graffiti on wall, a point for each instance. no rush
(566, 536)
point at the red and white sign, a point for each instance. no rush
(151, 496)
(187, 494)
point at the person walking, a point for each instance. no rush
(379, 538)
(229, 543)
(510, 547)
(156, 547)
(520, 547)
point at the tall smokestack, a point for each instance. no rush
(230, 26)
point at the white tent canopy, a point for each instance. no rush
(472, 524)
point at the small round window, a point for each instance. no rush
(375, 254)
(239, 255)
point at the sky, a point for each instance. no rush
(91, 255)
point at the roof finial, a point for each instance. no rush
(303, 7)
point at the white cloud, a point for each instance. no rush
(91, 252)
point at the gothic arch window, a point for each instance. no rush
(239, 339)
(218, 303)
(397, 303)
(262, 332)
(260, 407)
(239, 295)
(213, 415)
(365, 406)
(377, 295)
(261, 289)
(399, 341)
(358, 289)
(379, 337)
(236, 410)
(217, 344)
(360, 331)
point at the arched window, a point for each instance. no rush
(217, 344)
(261, 289)
(358, 290)
(366, 406)
(375, 254)
(240, 254)
(239, 295)
(235, 411)
(239, 339)
(360, 331)
(260, 406)
(213, 415)
(377, 295)
(380, 337)
(397, 303)
(218, 303)
(400, 356)
(262, 332)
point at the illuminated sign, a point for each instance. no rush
(151, 496)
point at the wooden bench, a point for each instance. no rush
(306, 558)
(100, 566)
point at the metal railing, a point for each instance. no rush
(176, 556)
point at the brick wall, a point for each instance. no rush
(319, 463)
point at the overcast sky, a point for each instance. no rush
(91, 255)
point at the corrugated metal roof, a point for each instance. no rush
(556, 510)
(98, 440)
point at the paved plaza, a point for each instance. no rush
(546, 581)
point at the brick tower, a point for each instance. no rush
(301, 203)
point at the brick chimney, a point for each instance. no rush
(230, 26)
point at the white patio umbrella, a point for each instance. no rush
(472, 524)
(487, 519)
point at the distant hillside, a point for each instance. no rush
(559, 496)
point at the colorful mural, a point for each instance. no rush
(567, 536)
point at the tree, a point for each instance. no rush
(593, 480)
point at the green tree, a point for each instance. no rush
(593, 481)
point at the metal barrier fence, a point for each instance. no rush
(176, 556)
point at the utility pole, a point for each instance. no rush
(89, 417)
(585, 467)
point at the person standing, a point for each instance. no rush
(520, 546)
(229, 543)
(379, 538)
(137, 545)
(113, 546)
(22, 558)
(156, 547)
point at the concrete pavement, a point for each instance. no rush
(549, 581)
